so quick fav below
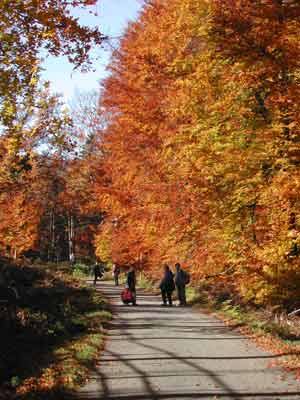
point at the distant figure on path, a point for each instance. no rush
(182, 278)
(116, 272)
(131, 282)
(167, 286)
(98, 271)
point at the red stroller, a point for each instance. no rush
(127, 296)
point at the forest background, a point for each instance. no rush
(191, 155)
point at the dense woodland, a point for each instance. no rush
(191, 154)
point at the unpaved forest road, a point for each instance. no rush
(155, 352)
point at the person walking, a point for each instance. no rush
(131, 283)
(98, 271)
(167, 286)
(182, 278)
(116, 272)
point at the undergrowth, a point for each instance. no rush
(51, 341)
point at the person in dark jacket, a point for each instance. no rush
(116, 272)
(131, 282)
(99, 270)
(167, 286)
(181, 280)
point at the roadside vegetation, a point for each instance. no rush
(51, 339)
(272, 328)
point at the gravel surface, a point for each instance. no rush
(154, 352)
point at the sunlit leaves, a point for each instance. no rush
(202, 142)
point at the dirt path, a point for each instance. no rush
(156, 352)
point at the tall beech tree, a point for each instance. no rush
(201, 147)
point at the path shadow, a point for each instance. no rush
(191, 365)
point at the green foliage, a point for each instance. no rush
(234, 311)
(194, 295)
(104, 315)
(145, 282)
(15, 381)
(86, 354)
(81, 270)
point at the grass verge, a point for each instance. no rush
(53, 339)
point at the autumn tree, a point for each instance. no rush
(37, 133)
(201, 148)
(141, 98)
(30, 29)
(27, 183)
(27, 27)
(259, 43)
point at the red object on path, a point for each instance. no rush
(127, 296)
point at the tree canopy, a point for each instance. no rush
(192, 153)
(202, 148)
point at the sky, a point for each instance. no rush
(113, 18)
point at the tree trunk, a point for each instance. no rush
(71, 238)
(51, 248)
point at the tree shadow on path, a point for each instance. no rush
(126, 327)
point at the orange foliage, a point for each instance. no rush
(202, 144)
